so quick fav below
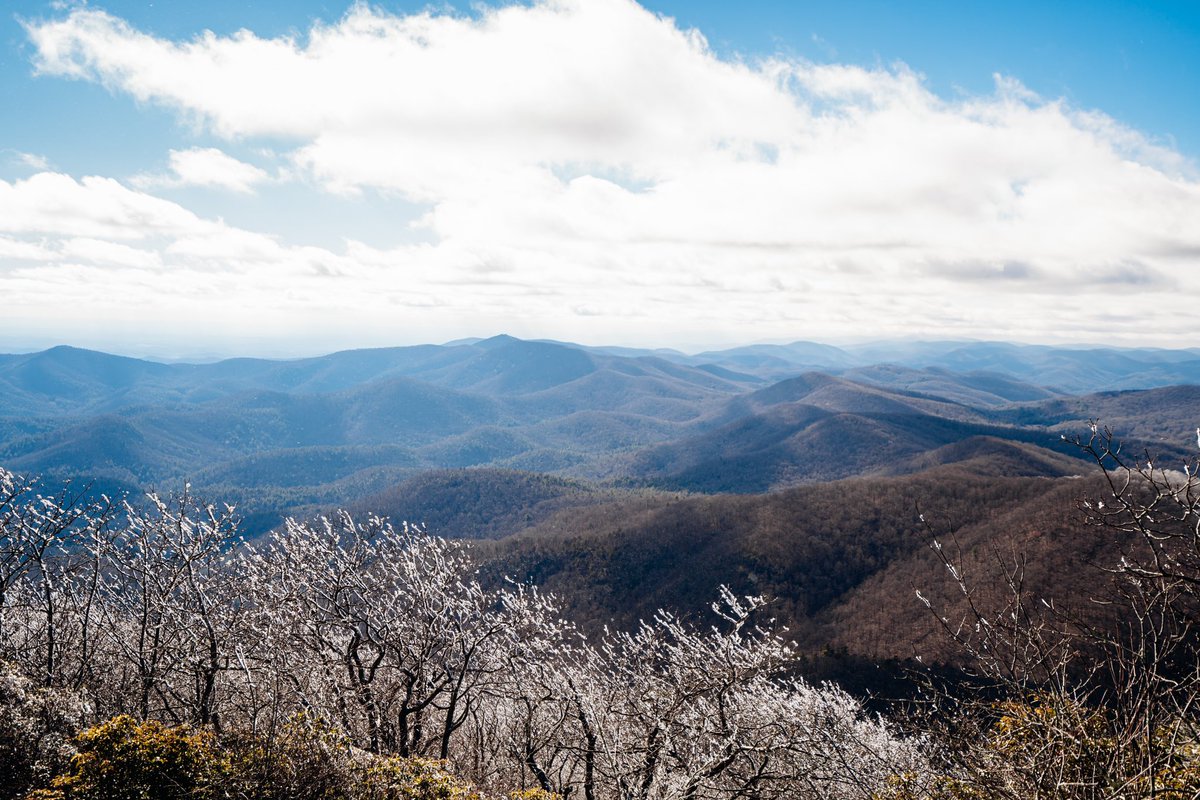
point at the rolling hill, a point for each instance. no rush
(281, 436)
(841, 560)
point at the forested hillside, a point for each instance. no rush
(841, 561)
(286, 437)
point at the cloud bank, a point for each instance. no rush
(589, 169)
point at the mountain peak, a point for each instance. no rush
(500, 340)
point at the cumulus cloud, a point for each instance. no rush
(208, 167)
(591, 155)
(103, 208)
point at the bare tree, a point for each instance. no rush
(1092, 701)
(384, 635)
(172, 593)
(402, 639)
(669, 711)
(51, 553)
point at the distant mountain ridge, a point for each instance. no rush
(66, 379)
(279, 435)
(1077, 369)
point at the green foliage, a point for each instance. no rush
(912, 786)
(1177, 776)
(122, 759)
(413, 779)
(305, 760)
(1049, 730)
(1052, 746)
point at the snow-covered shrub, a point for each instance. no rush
(36, 727)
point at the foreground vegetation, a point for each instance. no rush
(122, 758)
(382, 639)
(152, 652)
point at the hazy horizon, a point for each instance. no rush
(201, 357)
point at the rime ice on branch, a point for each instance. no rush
(162, 611)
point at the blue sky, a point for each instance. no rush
(593, 170)
(1133, 60)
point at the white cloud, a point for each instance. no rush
(57, 204)
(100, 251)
(208, 167)
(590, 155)
(16, 249)
(34, 161)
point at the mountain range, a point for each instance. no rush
(277, 436)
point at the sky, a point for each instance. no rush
(200, 179)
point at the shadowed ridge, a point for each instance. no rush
(62, 370)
